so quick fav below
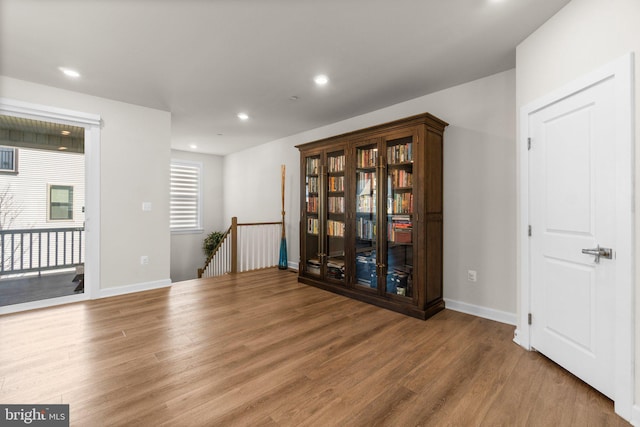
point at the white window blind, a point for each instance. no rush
(186, 196)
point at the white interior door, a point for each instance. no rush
(572, 179)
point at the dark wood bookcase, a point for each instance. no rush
(371, 215)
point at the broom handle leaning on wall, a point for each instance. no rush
(283, 168)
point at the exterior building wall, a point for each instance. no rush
(25, 194)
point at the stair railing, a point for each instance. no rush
(244, 247)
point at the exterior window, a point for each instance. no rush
(8, 157)
(60, 202)
(186, 196)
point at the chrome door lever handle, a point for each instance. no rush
(599, 252)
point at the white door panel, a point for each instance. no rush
(572, 207)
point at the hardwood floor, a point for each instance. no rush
(259, 349)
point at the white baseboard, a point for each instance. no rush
(137, 287)
(516, 337)
(484, 312)
(635, 416)
(292, 265)
(50, 302)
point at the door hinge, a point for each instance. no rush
(528, 143)
(529, 231)
(529, 317)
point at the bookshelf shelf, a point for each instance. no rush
(365, 188)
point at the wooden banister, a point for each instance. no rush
(234, 244)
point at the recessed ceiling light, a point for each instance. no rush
(243, 116)
(193, 146)
(62, 148)
(69, 72)
(321, 79)
(65, 132)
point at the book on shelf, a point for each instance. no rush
(335, 268)
(365, 229)
(312, 225)
(335, 205)
(335, 163)
(313, 265)
(367, 158)
(335, 228)
(400, 203)
(312, 184)
(336, 183)
(400, 153)
(400, 178)
(400, 229)
(313, 165)
(366, 192)
(312, 204)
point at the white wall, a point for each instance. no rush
(186, 249)
(479, 186)
(134, 167)
(582, 37)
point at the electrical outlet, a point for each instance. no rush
(144, 260)
(472, 276)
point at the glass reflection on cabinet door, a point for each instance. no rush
(365, 216)
(312, 203)
(400, 217)
(335, 216)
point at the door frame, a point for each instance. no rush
(621, 71)
(92, 126)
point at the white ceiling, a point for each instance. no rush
(207, 60)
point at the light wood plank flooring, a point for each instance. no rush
(259, 349)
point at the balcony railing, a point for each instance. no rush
(29, 250)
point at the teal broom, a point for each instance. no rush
(283, 263)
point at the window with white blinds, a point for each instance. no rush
(186, 196)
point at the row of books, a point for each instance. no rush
(335, 204)
(313, 165)
(366, 269)
(400, 153)
(335, 228)
(312, 204)
(336, 183)
(400, 203)
(365, 229)
(313, 266)
(400, 230)
(366, 204)
(312, 184)
(335, 269)
(366, 183)
(336, 164)
(400, 178)
(312, 225)
(367, 158)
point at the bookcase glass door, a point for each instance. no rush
(335, 216)
(312, 204)
(366, 216)
(400, 216)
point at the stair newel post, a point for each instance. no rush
(234, 244)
